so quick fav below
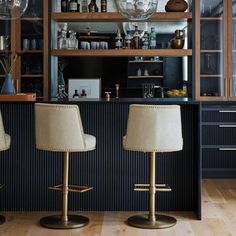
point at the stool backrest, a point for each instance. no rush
(58, 128)
(154, 128)
(3, 143)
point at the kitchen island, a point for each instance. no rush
(27, 173)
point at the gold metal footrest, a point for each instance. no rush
(145, 187)
(72, 188)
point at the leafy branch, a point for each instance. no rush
(8, 63)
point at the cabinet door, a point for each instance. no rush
(232, 48)
(212, 55)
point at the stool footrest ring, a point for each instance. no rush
(72, 188)
(146, 187)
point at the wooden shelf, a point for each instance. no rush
(31, 18)
(122, 52)
(31, 51)
(211, 18)
(4, 51)
(211, 75)
(146, 77)
(117, 17)
(211, 50)
(32, 75)
(146, 61)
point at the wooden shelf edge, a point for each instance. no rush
(116, 16)
(146, 77)
(31, 18)
(211, 75)
(122, 52)
(145, 61)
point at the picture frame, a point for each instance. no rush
(84, 88)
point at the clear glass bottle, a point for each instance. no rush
(145, 41)
(153, 38)
(62, 40)
(73, 6)
(92, 7)
(118, 40)
(136, 39)
(72, 42)
(128, 40)
(103, 5)
(84, 6)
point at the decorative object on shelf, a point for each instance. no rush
(137, 9)
(118, 40)
(8, 63)
(10, 9)
(176, 6)
(92, 7)
(61, 82)
(148, 90)
(178, 41)
(153, 38)
(207, 65)
(103, 5)
(4, 42)
(117, 90)
(84, 6)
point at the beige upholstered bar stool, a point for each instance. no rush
(59, 129)
(153, 128)
(5, 141)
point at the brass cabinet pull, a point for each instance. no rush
(227, 149)
(227, 126)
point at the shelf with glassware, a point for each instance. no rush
(32, 48)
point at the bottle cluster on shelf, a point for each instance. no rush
(82, 6)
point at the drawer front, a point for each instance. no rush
(219, 135)
(221, 115)
(219, 158)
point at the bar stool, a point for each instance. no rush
(59, 129)
(5, 141)
(153, 128)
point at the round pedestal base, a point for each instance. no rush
(55, 222)
(2, 219)
(142, 221)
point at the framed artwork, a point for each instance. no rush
(84, 88)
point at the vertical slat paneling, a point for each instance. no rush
(27, 172)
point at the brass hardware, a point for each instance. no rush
(66, 221)
(108, 95)
(152, 220)
(227, 149)
(227, 111)
(158, 187)
(226, 86)
(2, 219)
(17, 85)
(117, 90)
(72, 188)
(178, 41)
(227, 126)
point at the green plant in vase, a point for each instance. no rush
(7, 63)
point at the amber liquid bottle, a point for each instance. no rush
(93, 6)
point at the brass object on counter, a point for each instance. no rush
(17, 85)
(108, 96)
(178, 41)
(152, 220)
(117, 90)
(176, 6)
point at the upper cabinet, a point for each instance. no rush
(215, 54)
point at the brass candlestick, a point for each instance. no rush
(108, 95)
(117, 90)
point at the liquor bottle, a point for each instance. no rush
(76, 95)
(78, 5)
(118, 40)
(84, 6)
(63, 5)
(103, 5)
(145, 41)
(128, 40)
(73, 6)
(92, 7)
(153, 38)
(136, 39)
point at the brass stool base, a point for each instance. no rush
(142, 221)
(2, 219)
(55, 222)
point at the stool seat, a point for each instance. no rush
(5, 142)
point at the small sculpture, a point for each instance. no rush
(176, 6)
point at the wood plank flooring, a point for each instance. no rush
(219, 219)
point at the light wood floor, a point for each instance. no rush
(219, 219)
